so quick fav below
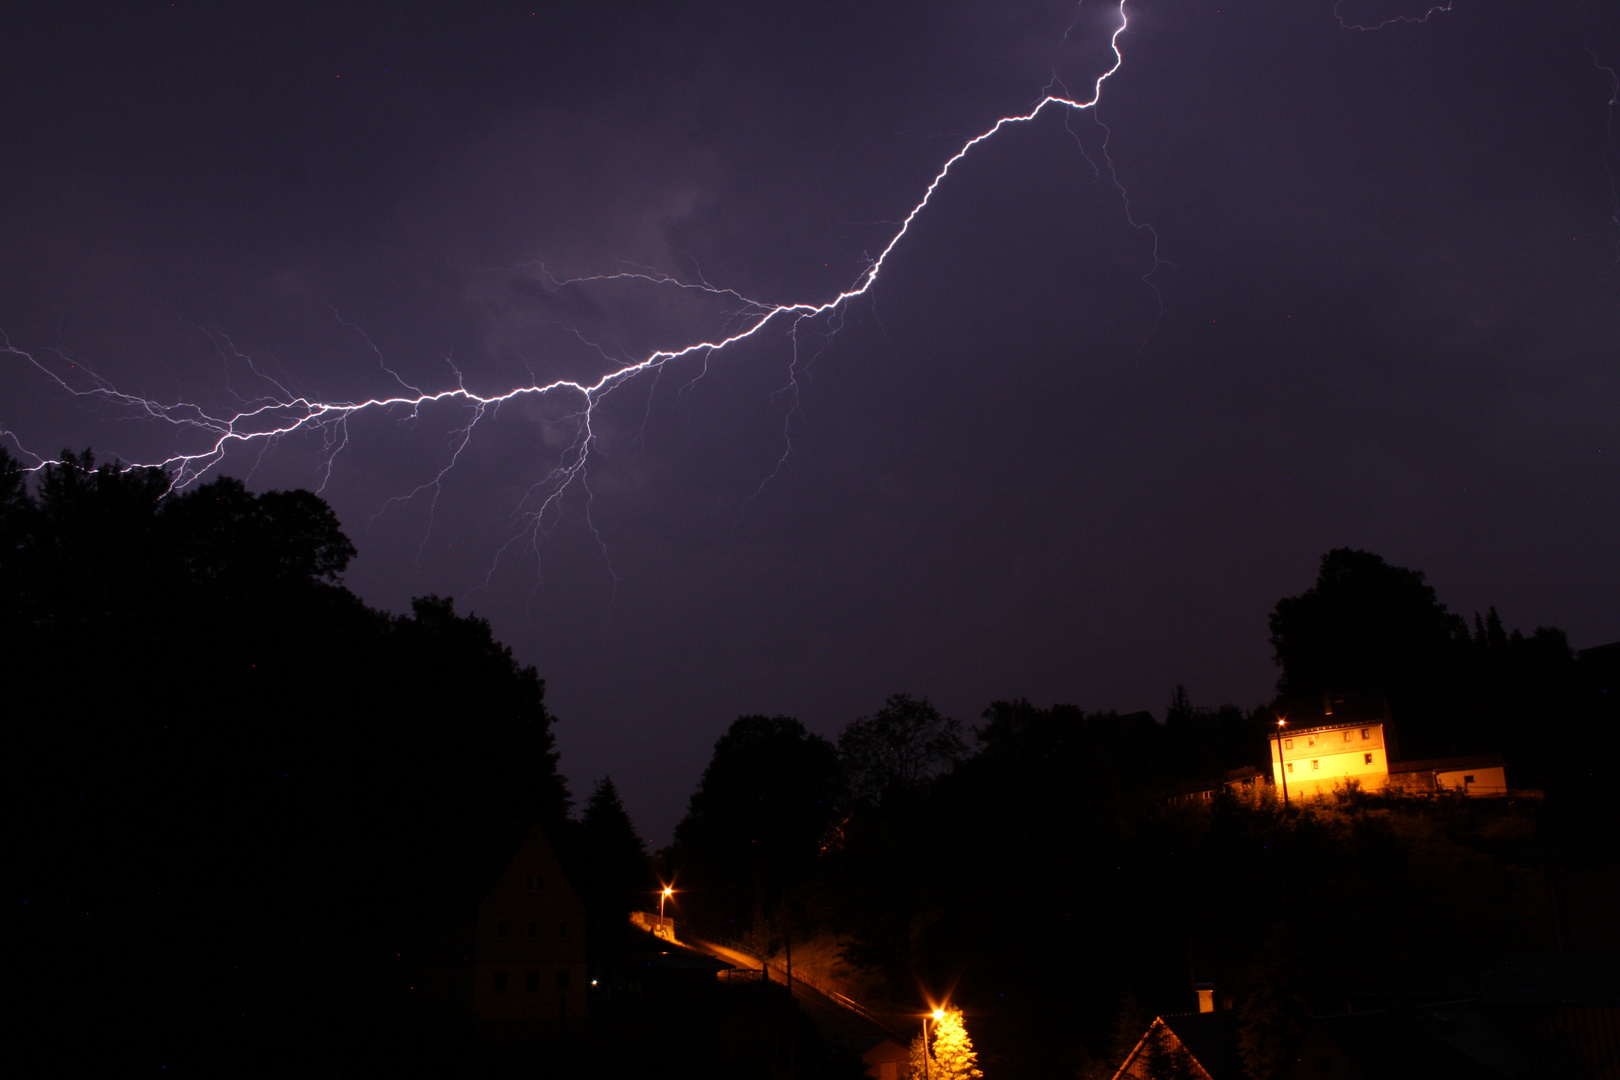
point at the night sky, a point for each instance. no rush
(1033, 460)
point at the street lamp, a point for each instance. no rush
(938, 1015)
(665, 895)
(1282, 766)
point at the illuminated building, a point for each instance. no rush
(1326, 744)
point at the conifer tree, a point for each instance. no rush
(922, 1064)
(954, 1057)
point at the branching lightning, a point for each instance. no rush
(282, 413)
(1433, 10)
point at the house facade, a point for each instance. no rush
(1323, 745)
(529, 940)
(1315, 761)
(490, 931)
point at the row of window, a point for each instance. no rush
(1366, 759)
(533, 929)
(531, 981)
(1310, 740)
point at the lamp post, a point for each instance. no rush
(665, 895)
(938, 1015)
(1282, 766)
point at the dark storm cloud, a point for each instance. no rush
(1389, 321)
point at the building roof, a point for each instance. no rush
(448, 873)
(1211, 1038)
(1572, 978)
(1449, 764)
(1333, 711)
(1398, 1044)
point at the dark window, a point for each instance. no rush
(1288, 744)
(562, 929)
(1290, 766)
(534, 930)
(1310, 740)
(1468, 779)
(1364, 734)
(500, 982)
(500, 929)
(1316, 765)
(1366, 759)
(534, 882)
(562, 979)
(531, 982)
(1347, 736)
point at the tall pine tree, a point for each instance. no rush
(954, 1057)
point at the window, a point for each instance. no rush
(1315, 765)
(1347, 736)
(1366, 759)
(562, 930)
(500, 929)
(1288, 744)
(500, 982)
(1468, 779)
(1290, 766)
(531, 982)
(1364, 734)
(1310, 740)
(534, 882)
(534, 930)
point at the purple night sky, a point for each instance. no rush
(1029, 461)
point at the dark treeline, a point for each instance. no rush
(214, 741)
(1031, 868)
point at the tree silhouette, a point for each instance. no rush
(616, 877)
(1364, 625)
(903, 744)
(228, 738)
(758, 816)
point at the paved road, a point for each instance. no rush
(834, 1019)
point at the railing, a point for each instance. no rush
(665, 928)
(826, 990)
(656, 925)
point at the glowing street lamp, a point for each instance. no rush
(665, 895)
(1282, 766)
(938, 1015)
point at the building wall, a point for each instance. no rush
(1315, 761)
(529, 941)
(1487, 780)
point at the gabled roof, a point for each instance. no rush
(1333, 710)
(1449, 764)
(448, 873)
(1209, 1038)
(1399, 1044)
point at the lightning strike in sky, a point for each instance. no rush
(267, 419)
(279, 413)
(1349, 24)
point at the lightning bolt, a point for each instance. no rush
(280, 413)
(1608, 154)
(1434, 9)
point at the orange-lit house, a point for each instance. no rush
(1323, 744)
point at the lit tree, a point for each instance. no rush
(954, 1058)
(922, 1065)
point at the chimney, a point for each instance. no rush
(1206, 997)
(1327, 703)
